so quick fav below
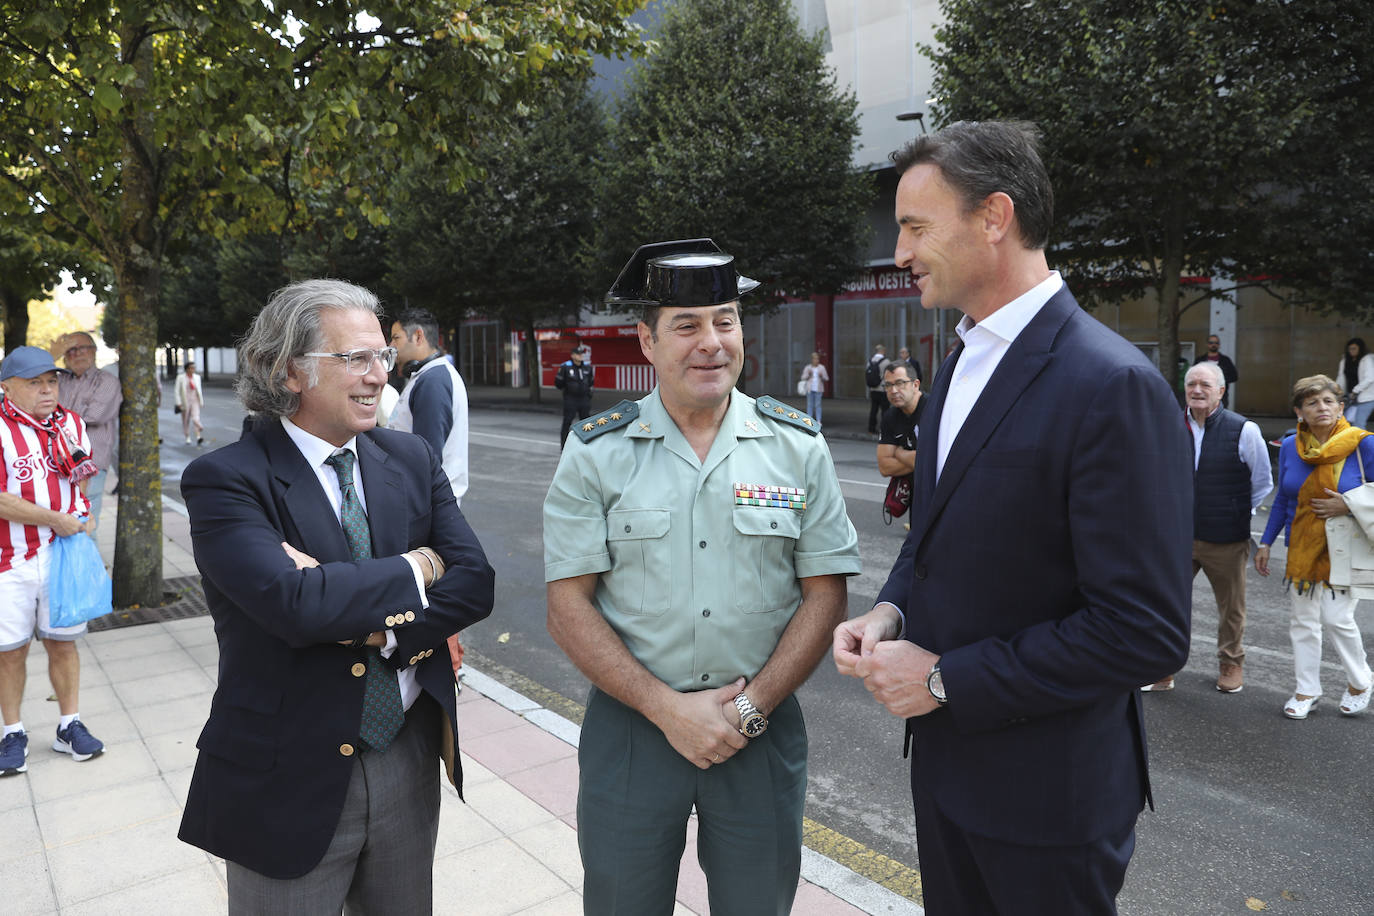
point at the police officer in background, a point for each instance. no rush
(695, 547)
(575, 380)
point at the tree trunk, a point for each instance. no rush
(138, 538)
(1170, 290)
(532, 362)
(14, 311)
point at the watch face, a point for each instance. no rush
(754, 725)
(935, 683)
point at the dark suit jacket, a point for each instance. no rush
(1050, 569)
(271, 776)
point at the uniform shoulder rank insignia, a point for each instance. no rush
(776, 410)
(614, 418)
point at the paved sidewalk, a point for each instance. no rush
(99, 837)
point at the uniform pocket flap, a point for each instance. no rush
(782, 523)
(635, 524)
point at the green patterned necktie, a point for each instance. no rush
(383, 713)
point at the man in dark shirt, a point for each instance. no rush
(575, 380)
(897, 434)
(1222, 362)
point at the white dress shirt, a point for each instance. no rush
(316, 452)
(985, 343)
(1253, 453)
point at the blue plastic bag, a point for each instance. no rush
(79, 589)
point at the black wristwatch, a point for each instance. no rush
(936, 685)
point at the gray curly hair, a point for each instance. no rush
(288, 326)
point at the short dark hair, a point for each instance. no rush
(899, 367)
(979, 158)
(413, 319)
(652, 313)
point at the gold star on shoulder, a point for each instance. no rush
(601, 421)
(587, 427)
(807, 421)
(616, 416)
(792, 414)
(778, 410)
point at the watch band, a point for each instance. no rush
(752, 723)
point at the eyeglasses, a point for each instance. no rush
(359, 361)
(899, 383)
(73, 351)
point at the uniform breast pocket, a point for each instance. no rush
(765, 578)
(640, 580)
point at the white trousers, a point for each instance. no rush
(1319, 607)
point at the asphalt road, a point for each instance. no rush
(1253, 811)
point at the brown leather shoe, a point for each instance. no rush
(1165, 683)
(1231, 680)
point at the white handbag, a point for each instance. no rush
(1348, 540)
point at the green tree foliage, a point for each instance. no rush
(513, 244)
(127, 124)
(737, 131)
(1172, 130)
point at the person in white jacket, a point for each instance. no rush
(1356, 377)
(189, 399)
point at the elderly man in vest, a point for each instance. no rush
(1231, 477)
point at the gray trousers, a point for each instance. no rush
(635, 794)
(381, 859)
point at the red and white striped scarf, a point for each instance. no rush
(71, 461)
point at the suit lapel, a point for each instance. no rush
(1025, 359)
(385, 505)
(304, 503)
(926, 458)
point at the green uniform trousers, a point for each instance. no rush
(635, 794)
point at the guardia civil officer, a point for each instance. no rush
(576, 380)
(695, 547)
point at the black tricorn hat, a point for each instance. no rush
(689, 272)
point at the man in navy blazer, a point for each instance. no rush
(1046, 575)
(315, 809)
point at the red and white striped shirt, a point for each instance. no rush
(29, 472)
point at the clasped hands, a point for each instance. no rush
(893, 670)
(703, 726)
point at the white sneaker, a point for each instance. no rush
(188, 440)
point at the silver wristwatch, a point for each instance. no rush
(935, 683)
(751, 722)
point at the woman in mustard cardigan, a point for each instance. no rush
(1316, 465)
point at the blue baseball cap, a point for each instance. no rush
(26, 362)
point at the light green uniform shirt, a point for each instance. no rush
(697, 581)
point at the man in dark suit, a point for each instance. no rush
(1046, 575)
(336, 564)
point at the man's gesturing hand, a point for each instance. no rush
(895, 673)
(856, 639)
